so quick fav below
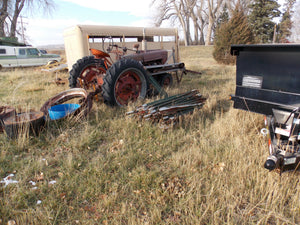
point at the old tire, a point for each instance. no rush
(90, 70)
(51, 62)
(125, 81)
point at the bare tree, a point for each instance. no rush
(176, 10)
(10, 15)
(3, 16)
(201, 14)
(202, 20)
(196, 13)
(296, 21)
(242, 5)
(183, 16)
(19, 5)
(190, 15)
(214, 7)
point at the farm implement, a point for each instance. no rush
(131, 77)
(268, 82)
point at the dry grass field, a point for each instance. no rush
(110, 169)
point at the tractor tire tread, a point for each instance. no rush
(79, 66)
(112, 76)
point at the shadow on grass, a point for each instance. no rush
(204, 115)
(205, 81)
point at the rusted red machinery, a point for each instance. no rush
(15, 124)
(132, 77)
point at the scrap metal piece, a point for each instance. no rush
(5, 112)
(168, 110)
(55, 67)
(85, 101)
(32, 122)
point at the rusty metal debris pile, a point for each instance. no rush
(34, 121)
(83, 97)
(168, 110)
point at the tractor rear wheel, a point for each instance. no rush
(87, 73)
(125, 81)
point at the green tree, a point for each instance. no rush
(236, 31)
(285, 25)
(261, 19)
(224, 16)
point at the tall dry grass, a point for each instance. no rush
(110, 169)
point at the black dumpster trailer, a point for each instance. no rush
(268, 82)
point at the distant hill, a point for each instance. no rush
(52, 47)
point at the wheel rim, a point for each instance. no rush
(166, 81)
(129, 87)
(91, 77)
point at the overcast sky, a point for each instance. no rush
(48, 29)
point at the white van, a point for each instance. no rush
(16, 56)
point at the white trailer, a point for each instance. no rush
(79, 39)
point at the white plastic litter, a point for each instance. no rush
(8, 180)
(32, 183)
(52, 182)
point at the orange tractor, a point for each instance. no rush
(131, 77)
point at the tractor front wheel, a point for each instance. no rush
(87, 73)
(125, 81)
